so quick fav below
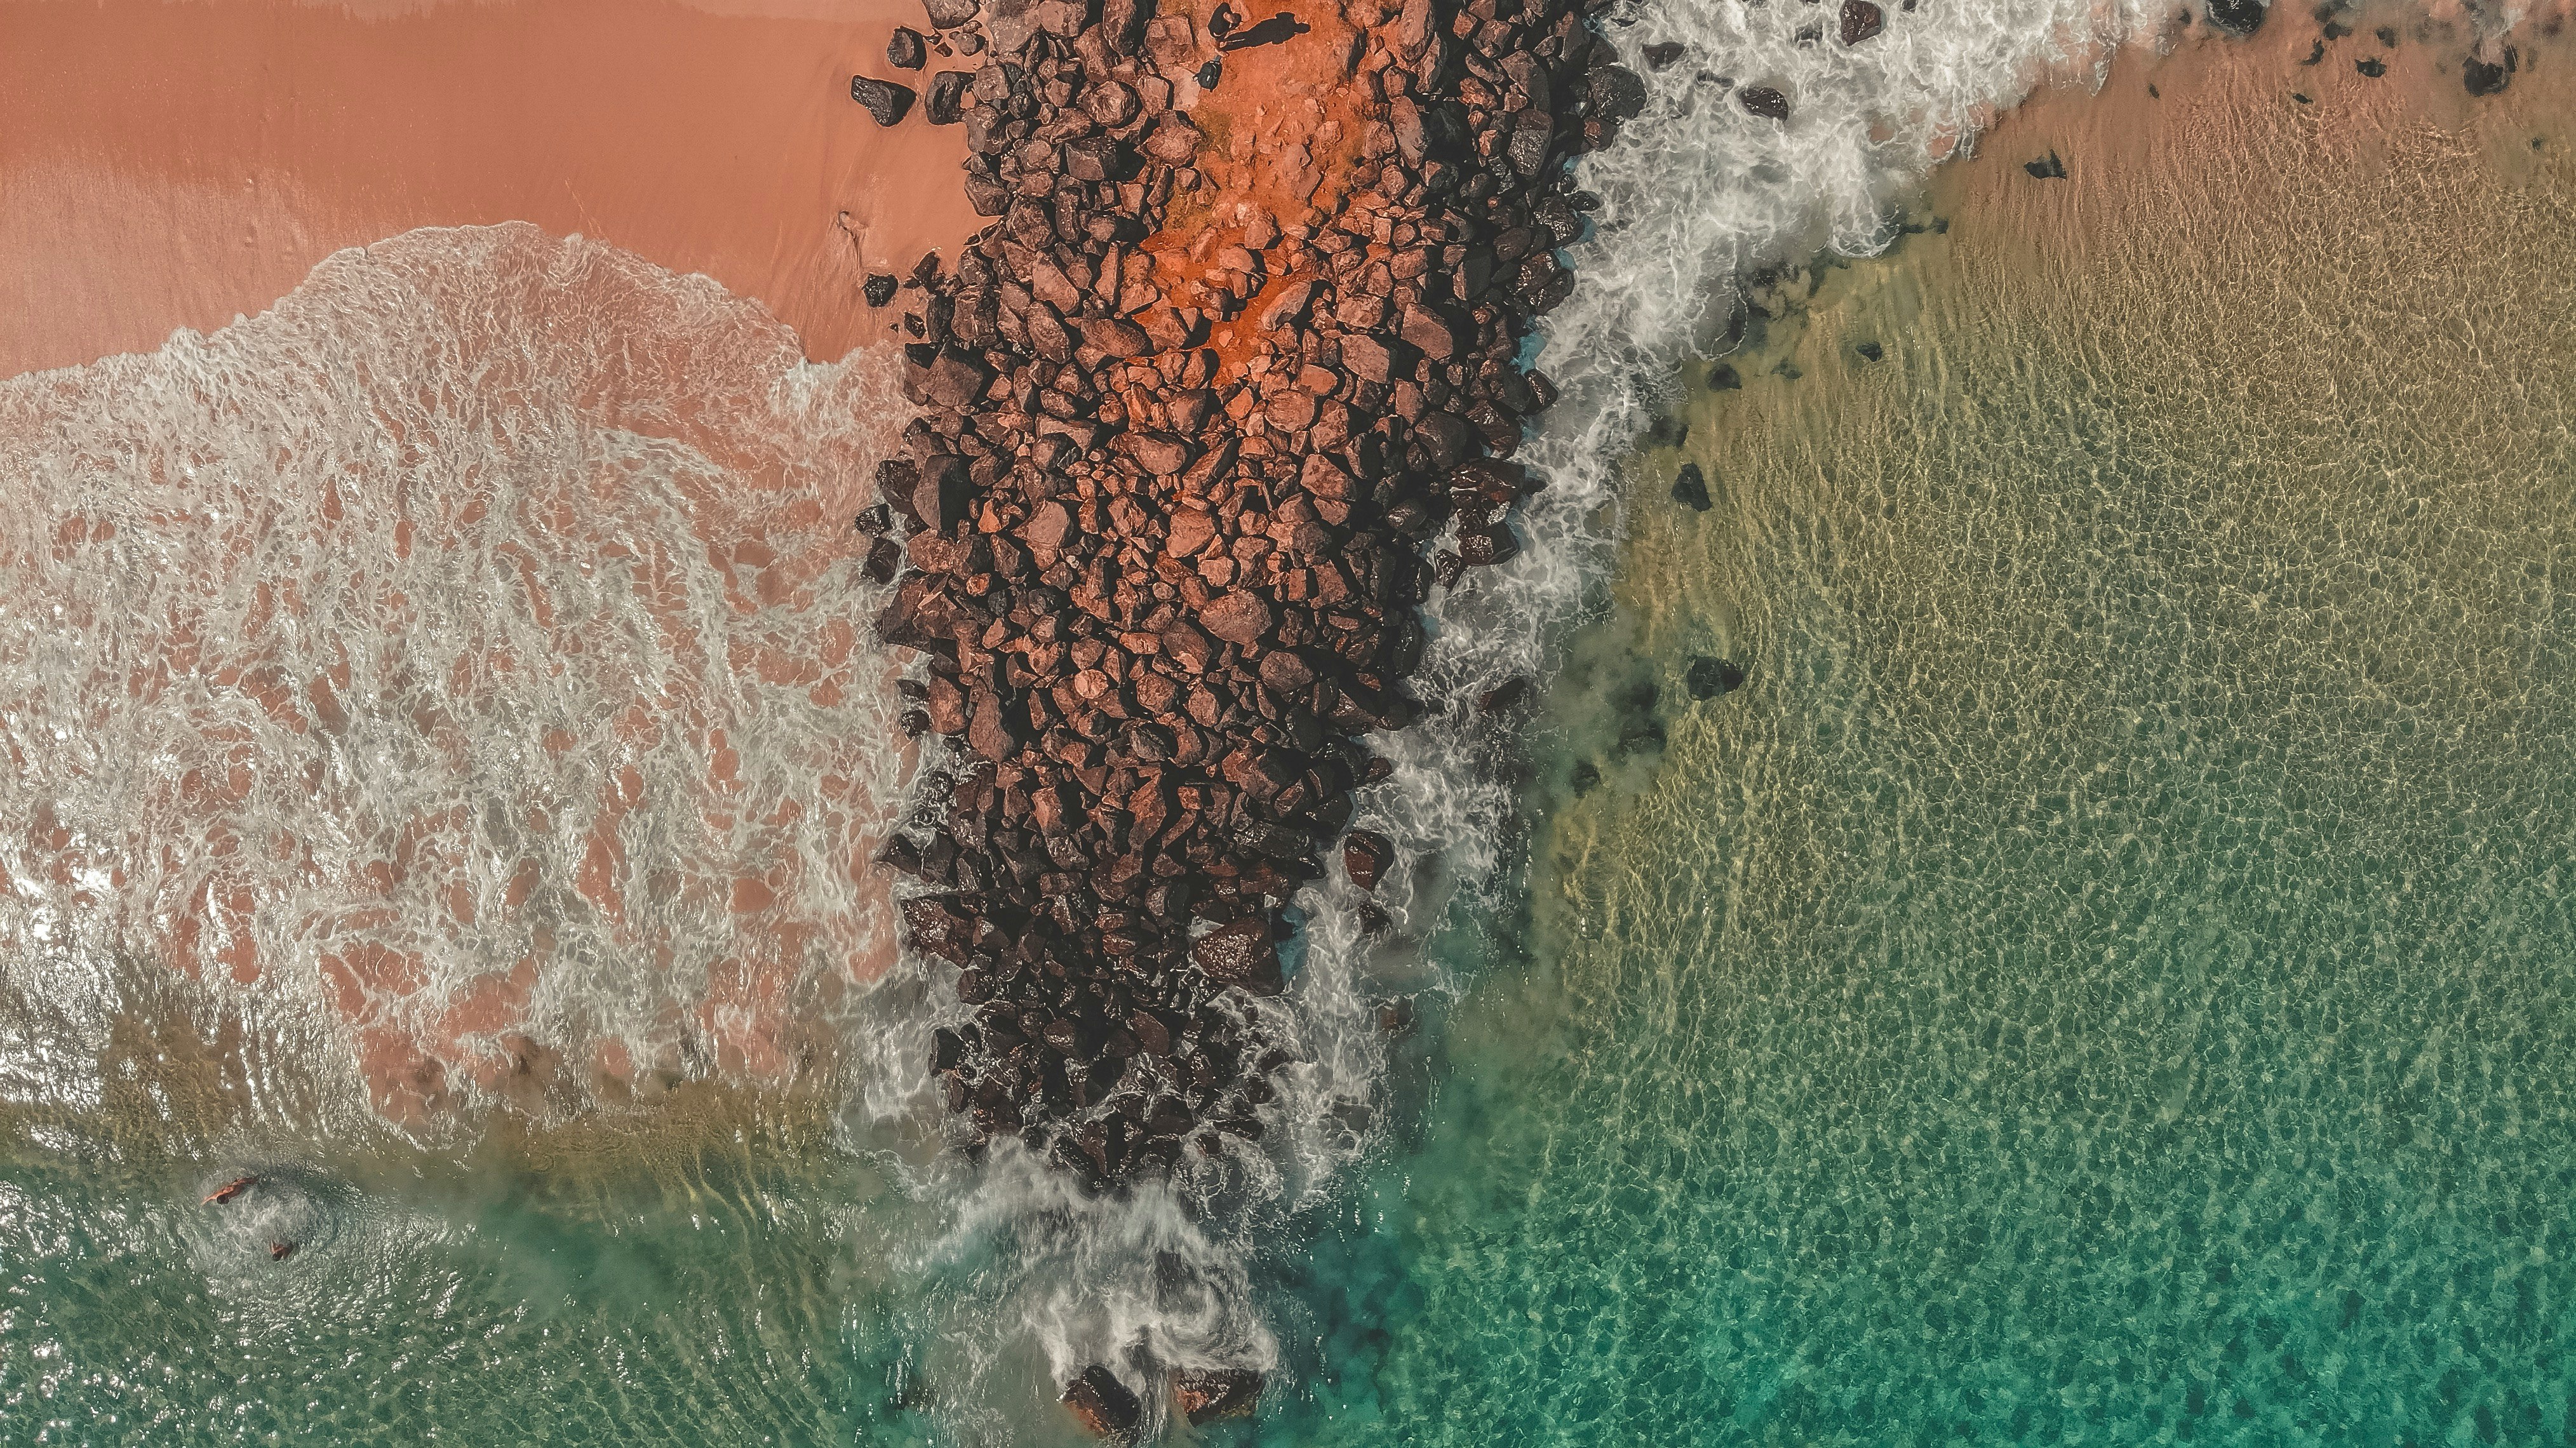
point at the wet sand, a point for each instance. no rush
(176, 165)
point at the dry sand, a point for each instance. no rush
(173, 165)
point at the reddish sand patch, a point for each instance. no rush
(174, 165)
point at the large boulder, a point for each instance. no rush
(1208, 1394)
(884, 100)
(1102, 1404)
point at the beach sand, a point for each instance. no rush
(174, 165)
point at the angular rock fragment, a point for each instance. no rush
(1102, 1404)
(885, 101)
(905, 51)
(1764, 101)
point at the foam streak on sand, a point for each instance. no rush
(463, 647)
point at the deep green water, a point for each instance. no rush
(2103, 979)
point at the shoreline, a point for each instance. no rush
(176, 166)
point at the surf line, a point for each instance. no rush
(1230, 384)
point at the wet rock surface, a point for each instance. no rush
(1164, 521)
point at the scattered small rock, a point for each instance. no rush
(1710, 677)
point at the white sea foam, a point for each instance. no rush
(466, 652)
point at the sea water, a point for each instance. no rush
(2094, 981)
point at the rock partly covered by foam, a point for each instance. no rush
(1102, 1404)
(1162, 524)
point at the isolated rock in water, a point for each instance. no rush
(1861, 20)
(947, 104)
(1691, 488)
(1503, 696)
(884, 99)
(949, 14)
(2484, 79)
(1663, 53)
(1724, 378)
(1208, 1394)
(905, 51)
(1366, 854)
(1763, 101)
(1102, 1404)
(880, 289)
(1710, 677)
(2237, 17)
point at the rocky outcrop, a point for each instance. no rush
(1181, 479)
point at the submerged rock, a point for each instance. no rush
(2237, 17)
(2483, 78)
(1710, 677)
(1690, 488)
(1208, 1394)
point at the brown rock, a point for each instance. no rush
(1240, 954)
(1192, 529)
(1238, 618)
(946, 104)
(1047, 531)
(1174, 140)
(1287, 307)
(947, 706)
(1367, 358)
(1429, 333)
(1290, 411)
(904, 51)
(1366, 855)
(992, 734)
(1116, 337)
(1861, 20)
(1158, 453)
(1206, 1395)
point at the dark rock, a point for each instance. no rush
(1365, 856)
(1691, 488)
(949, 14)
(1709, 677)
(1102, 1404)
(947, 103)
(2371, 66)
(1615, 91)
(905, 51)
(885, 100)
(1724, 378)
(1504, 696)
(2051, 169)
(1206, 1395)
(1870, 351)
(1210, 73)
(1395, 1017)
(880, 289)
(1762, 100)
(1663, 53)
(2482, 78)
(1861, 20)
(2236, 17)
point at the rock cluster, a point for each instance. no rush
(1166, 587)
